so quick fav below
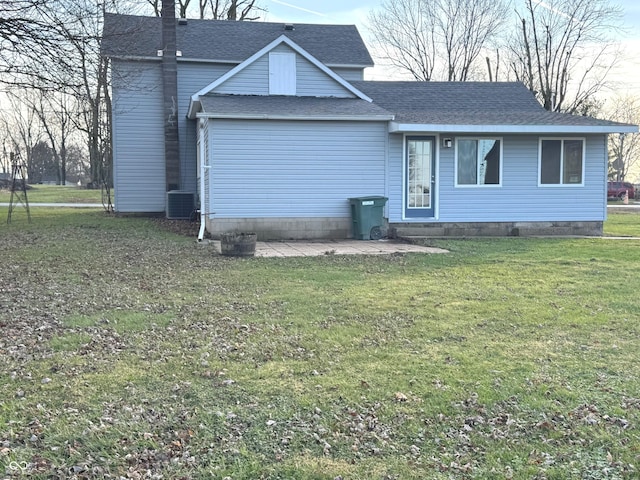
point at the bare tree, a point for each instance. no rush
(21, 128)
(468, 26)
(214, 9)
(31, 42)
(562, 51)
(624, 149)
(55, 112)
(437, 39)
(405, 37)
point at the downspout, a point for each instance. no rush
(202, 171)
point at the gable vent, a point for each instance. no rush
(289, 27)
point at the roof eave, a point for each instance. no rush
(194, 108)
(267, 116)
(399, 127)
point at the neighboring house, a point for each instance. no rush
(278, 129)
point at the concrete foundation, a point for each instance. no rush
(495, 229)
(340, 228)
(283, 228)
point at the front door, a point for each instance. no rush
(420, 177)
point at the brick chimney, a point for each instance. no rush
(170, 95)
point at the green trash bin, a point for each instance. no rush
(367, 217)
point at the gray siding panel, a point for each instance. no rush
(192, 77)
(395, 177)
(294, 169)
(138, 156)
(350, 74)
(254, 79)
(313, 82)
(519, 198)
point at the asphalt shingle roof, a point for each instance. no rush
(230, 41)
(467, 103)
(290, 106)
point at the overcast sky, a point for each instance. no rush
(357, 11)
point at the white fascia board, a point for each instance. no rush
(266, 116)
(134, 58)
(345, 65)
(194, 106)
(396, 127)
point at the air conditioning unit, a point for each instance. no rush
(180, 205)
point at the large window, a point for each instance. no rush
(561, 161)
(478, 161)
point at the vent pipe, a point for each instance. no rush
(170, 95)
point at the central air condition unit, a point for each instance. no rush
(180, 205)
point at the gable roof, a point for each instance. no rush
(225, 41)
(282, 39)
(477, 107)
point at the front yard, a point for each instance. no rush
(131, 352)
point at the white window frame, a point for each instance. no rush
(561, 184)
(477, 185)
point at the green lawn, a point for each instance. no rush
(57, 194)
(128, 351)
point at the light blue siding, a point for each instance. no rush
(138, 151)
(192, 77)
(294, 169)
(394, 205)
(519, 199)
(314, 82)
(350, 74)
(310, 80)
(252, 80)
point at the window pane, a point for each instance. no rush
(467, 162)
(489, 156)
(419, 166)
(550, 162)
(572, 164)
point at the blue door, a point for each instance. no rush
(420, 177)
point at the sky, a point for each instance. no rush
(626, 76)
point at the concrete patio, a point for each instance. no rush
(335, 247)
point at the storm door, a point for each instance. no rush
(420, 177)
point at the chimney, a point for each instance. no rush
(170, 95)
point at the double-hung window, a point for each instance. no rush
(561, 161)
(478, 161)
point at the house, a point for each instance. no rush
(278, 130)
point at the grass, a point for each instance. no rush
(623, 224)
(133, 352)
(57, 194)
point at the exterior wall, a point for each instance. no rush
(138, 132)
(519, 198)
(192, 77)
(139, 170)
(254, 79)
(273, 172)
(350, 74)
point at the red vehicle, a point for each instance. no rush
(618, 189)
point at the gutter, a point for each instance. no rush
(267, 116)
(398, 127)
